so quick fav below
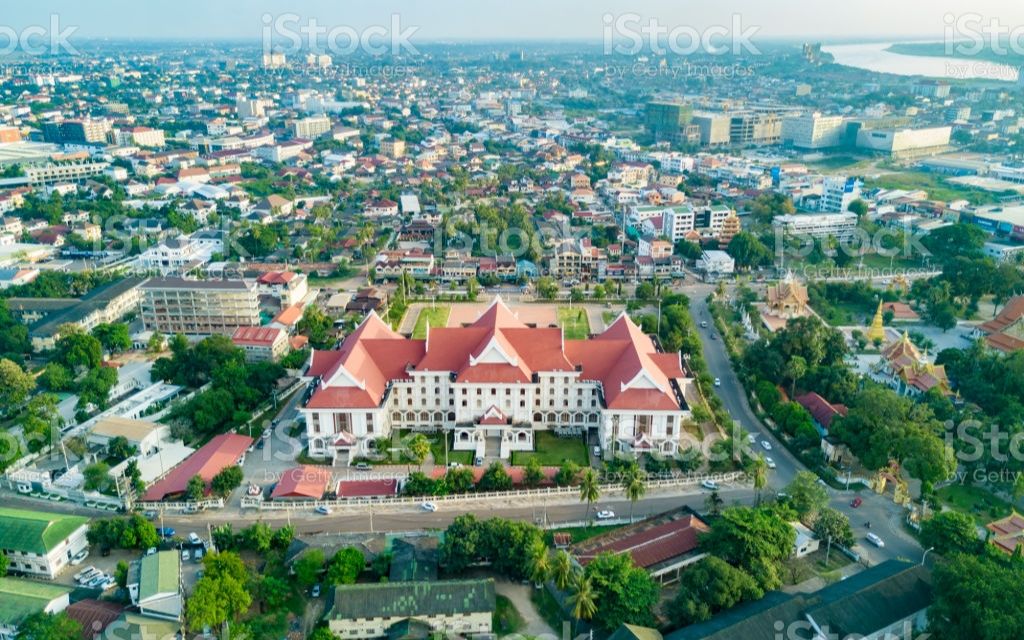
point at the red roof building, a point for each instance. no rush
(382, 488)
(823, 411)
(307, 481)
(219, 453)
(496, 376)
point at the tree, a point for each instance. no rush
(283, 537)
(567, 473)
(94, 389)
(806, 495)
(49, 626)
(755, 540)
(274, 591)
(495, 478)
(713, 503)
(796, 368)
(950, 532)
(77, 350)
(759, 472)
(97, 476)
(858, 207)
(590, 490)
(634, 486)
(113, 337)
(316, 325)
(308, 567)
(539, 562)
(120, 448)
(625, 593)
(459, 480)
(582, 599)
(533, 475)
(345, 566)
(15, 383)
(418, 448)
(257, 537)
(218, 598)
(974, 599)
(195, 490)
(748, 251)
(833, 525)
(227, 480)
(56, 378)
(708, 587)
(562, 570)
(121, 574)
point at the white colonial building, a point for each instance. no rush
(497, 380)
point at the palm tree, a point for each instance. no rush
(539, 562)
(759, 470)
(582, 599)
(561, 570)
(589, 489)
(635, 488)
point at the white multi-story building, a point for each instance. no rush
(839, 225)
(903, 143)
(312, 127)
(497, 377)
(837, 194)
(813, 131)
(41, 544)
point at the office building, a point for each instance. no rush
(905, 143)
(671, 122)
(715, 128)
(820, 225)
(813, 131)
(198, 307)
(837, 194)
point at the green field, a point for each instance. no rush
(552, 451)
(574, 322)
(430, 317)
(937, 188)
(974, 501)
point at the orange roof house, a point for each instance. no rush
(1005, 332)
(1007, 533)
(219, 453)
(305, 481)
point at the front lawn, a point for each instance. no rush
(574, 323)
(437, 448)
(432, 317)
(552, 451)
(974, 501)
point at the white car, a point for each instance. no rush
(109, 583)
(266, 433)
(771, 463)
(875, 540)
(428, 506)
(185, 555)
(718, 382)
(752, 438)
(193, 538)
(606, 514)
(85, 573)
(767, 445)
(316, 591)
(710, 485)
(79, 557)
(322, 510)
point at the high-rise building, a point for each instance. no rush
(813, 131)
(392, 147)
(715, 128)
(199, 307)
(755, 127)
(76, 131)
(312, 127)
(670, 121)
(274, 60)
(837, 193)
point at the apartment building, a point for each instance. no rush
(50, 174)
(288, 287)
(41, 544)
(838, 193)
(496, 380)
(813, 131)
(199, 307)
(839, 225)
(392, 147)
(312, 127)
(141, 137)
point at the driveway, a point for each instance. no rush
(519, 595)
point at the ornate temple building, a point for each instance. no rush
(493, 384)
(909, 372)
(786, 299)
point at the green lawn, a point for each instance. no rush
(552, 451)
(937, 188)
(437, 448)
(974, 501)
(574, 322)
(430, 317)
(506, 618)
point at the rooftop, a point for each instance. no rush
(21, 598)
(412, 599)
(35, 531)
(160, 573)
(220, 452)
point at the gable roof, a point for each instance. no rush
(20, 598)
(209, 460)
(35, 531)
(159, 574)
(412, 599)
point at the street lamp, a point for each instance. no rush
(925, 554)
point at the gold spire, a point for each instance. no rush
(876, 332)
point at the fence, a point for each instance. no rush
(215, 503)
(263, 505)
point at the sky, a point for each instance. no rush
(481, 20)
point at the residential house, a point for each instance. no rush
(39, 543)
(154, 584)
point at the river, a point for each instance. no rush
(874, 57)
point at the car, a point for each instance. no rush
(191, 509)
(251, 448)
(428, 506)
(710, 485)
(193, 538)
(165, 532)
(597, 452)
(714, 337)
(704, 324)
(767, 446)
(150, 515)
(266, 433)
(150, 551)
(322, 510)
(315, 592)
(605, 514)
(185, 555)
(85, 573)
(198, 555)
(79, 557)
(771, 463)
(875, 540)
(97, 580)
(752, 438)
(109, 583)
(718, 382)
(454, 465)
(104, 551)
(478, 461)
(259, 445)
(254, 490)
(363, 466)
(856, 502)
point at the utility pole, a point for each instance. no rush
(925, 554)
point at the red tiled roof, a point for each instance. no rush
(277, 277)
(306, 481)
(367, 488)
(820, 409)
(94, 616)
(220, 452)
(256, 336)
(290, 316)
(654, 545)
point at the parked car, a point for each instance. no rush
(322, 510)
(718, 382)
(875, 540)
(704, 324)
(597, 452)
(266, 433)
(478, 461)
(766, 445)
(109, 583)
(363, 466)
(79, 557)
(771, 463)
(193, 538)
(428, 506)
(97, 580)
(605, 514)
(752, 438)
(710, 485)
(185, 555)
(86, 573)
(198, 555)
(316, 591)
(150, 551)
(856, 502)
(165, 532)
(150, 515)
